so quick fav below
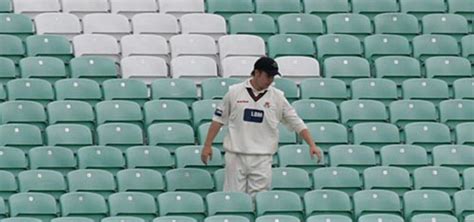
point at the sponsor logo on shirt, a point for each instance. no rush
(253, 115)
(242, 101)
(218, 112)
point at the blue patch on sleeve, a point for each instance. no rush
(253, 115)
(218, 112)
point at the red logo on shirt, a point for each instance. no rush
(267, 105)
(242, 101)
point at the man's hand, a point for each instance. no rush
(206, 154)
(314, 150)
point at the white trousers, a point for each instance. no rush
(247, 173)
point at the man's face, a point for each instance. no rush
(262, 79)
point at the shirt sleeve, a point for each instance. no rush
(290, 118)
(222, 111)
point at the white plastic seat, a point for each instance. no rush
(156, 24)
(110, 24)
(32, 8)
(181, 7)
(238, 66)
(84, 7)
(54, 23)
(96, 45)
(206, 24)
(241, 45)
(193, 45)
(145, 68)
(193, 67)
(145, 45)
(130, 8)
(298, 67)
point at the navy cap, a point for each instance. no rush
(267, 65)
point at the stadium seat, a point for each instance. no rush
(328, 202)
(216, 88)
(403, 112)
(149, 157)
(3, 93)
(144, 68)
(72, 219)
(346, 68)
(467, 49)
(193, 180)
(182, 204)
(229, 8)
(290, 45)
(375, 135)
(203, 111)
(427, 134)
(63, 24)
(122, 218)
(205, 24)
(9, 185)
(358, 111)
(397, 24)
(394, 179)
(371, 9)
(85, 90)
(16, 24)
(278, 203)
(288, 87)
(100, 157)
(463, 88)
(38, 205)
(437, 178)
(328, 134)
(26, 112)
(347, 23)
(12, 48)
(302, 24)
(96, 45)
(468, 175)
(241, 45)
(93, 67)
(379, 45)
(6, 6)
(381, 216)
(446, 24)
(219, 179)
(453, 112)
(72, 136)
(421, 8)
(223, 218)
(83, 204)
(114, 111)
(126, 8)
(193, 45)
(463, 204)
(71, 112)
(464, 135)
(433, 217)
(7, 72)
(115, 25)
(291, 179)
(49, 45)
(196, 68)
(277, 8)
(383, 90)
(298, 156)
(120, 135)
(323, 8)
(337, 45)
(238, 66)
(145, 45)
(141, 180)
(337, 178)
(3, 209)
(448, 68)
(81, 8)
(426, 201)
(179, 89)
(428, 45)
(164, 25)
(408, 157)
(218, 141)
(433, 90)
(328, 89)
(334, 218)
(277, 217)
(96, 181)
(21, 219)
(461, 7)
(376, 201)
(357, 157)
(230, 203)
(157, 111)
(298, 67)
(23, 136)
(13, 160)
(60, 159)
(174, 219)
(316, 110)
(125, 89)
(134, 204)
(42, 181)
(252, 24)
(180, 7)
(47, 68)
(397, 68)
(170, 135)
(190, 157)
(459, 157)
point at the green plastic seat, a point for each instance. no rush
(328, 134)
(6, 6)
(219, 179)
(141, 180)
(165, 110)
(403, 112)
(216, 88)
(464, 135)
(426, 201)
(445, 24)
(337, 178)
(468, 175)
(78, 89)
(358, 111)
(461, 7)
(12, 47)
(23, 136)
(298, 156)
(203, 111)
(125, 89)
(334, 90)
(408, 157)
(421, 8)
(134, 204)
(170, 135)
(381, 216)
(71, 112)
(302, 24)
(357, 157)
(49, 45)
(346, 68)
(316, 110)
(174, 219)
(26, 112)
(120, 135)
(463, 204)
(383, 90)
(448, 68)
(291, 179)
(42, 181)
(437, 178)
(36, 90)
(8, 186)
(37, 205)
(427, 134)
(389, 178)
(16, 24)
(327, 202)
(178, 89)
(149, 157)
(223, 218)
(397, 68)
(60, 159)
(72, 136)
(289, 88)
(397, 24)
(122, 219)
(348, 23)
(100, 157)
(334, 218)
(463, 88)
(229, 8)
(467, 48)
(375, 135)
(7, 72)
(376, 201)
(198, 181)
(432, 216)
(252, 24)
(83, 204)
(338, 45)
(119, 111)
(182, 204)
(453, 112)
(279, 203)
(433, 90)
(218, 141)
(21, 219)
(230, 203)
(190, 157)
(93, 67)
(290, 45)
(429, 45)
(371, 9)
(459, 157)
(13, 160)
(278, 7)
(323, 8)
(379, 45)
(91, 180)
(277, 217)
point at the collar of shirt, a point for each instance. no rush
(249, 85)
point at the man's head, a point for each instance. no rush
(264, 71)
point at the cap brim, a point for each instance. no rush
(274, 73)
